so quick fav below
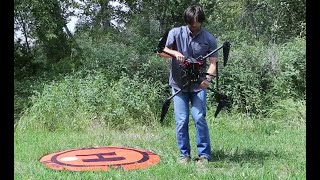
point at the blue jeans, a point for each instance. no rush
(198, 111)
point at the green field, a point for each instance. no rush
(242, 148)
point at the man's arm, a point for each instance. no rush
(170, 51)
(175, 53)
(169, 39)
(212, 68)
(212, 59)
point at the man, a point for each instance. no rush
(185, 42)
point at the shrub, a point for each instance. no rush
(132, 101)
(78, 103)
(258, 76)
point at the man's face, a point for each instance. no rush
(194, 26)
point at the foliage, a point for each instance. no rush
(77, 102)
(23, 62)
(42, 24)
(291, 80)
(114, 57)
(267, 59)
(247, 20)
(23, 90)
(258, 76)
(56, 107)
(131, 102)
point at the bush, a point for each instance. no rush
(290, 80)
(57, 107)
(78, 103)
(132, 101)
(257, 76)
(23, 90)
(114, 58)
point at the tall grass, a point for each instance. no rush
(77, 102)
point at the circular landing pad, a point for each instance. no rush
(100, 158)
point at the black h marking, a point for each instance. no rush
(102, 158)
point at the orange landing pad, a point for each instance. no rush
(100, 158)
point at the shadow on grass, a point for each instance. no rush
(244, 155)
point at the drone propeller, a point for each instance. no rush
(162, 42)
(223, 101)
(226, 49)
(165, 108)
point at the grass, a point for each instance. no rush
(242, 148)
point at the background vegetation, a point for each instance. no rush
(106, 73)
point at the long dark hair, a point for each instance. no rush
(194, 12)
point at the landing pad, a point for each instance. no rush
(100, 158)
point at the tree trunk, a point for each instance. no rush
(68, 31)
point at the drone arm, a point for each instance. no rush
(217, 49)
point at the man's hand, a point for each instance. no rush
(209, 77)
(180, 57)
(204, 84)
(173, 53)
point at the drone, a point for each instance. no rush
(193, 74)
